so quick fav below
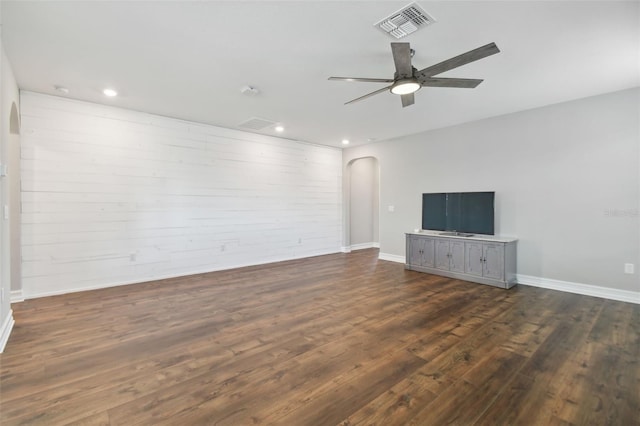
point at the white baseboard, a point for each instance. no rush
(569, 287)
(34, 295)
(5, 330)
(584, 289)
(363, 246)
(391, 257)
(16, 296)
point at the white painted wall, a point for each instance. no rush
(565, 176)
(363, 219)
(13, 183)
(112, 196)
(8, 97)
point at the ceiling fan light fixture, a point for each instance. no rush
(405, 86)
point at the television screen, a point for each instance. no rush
(470, 212)
(434, 211)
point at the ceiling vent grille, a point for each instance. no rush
(405, 21)
(255, 123)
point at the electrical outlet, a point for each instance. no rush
(391, 209)
(132, 257)
(629, 268)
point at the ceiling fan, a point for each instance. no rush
(407, 79)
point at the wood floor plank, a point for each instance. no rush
(551, 367)
(601, 392)
(340, 399)
(464, 401)
(309, 370)
(338, 339)
(395, 406)
(100, 419)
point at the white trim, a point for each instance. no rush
(362, 246)
(35, 295)
(5, 331)
(569, 287)
(585, 289)
(16, 296)
(349, 249)
(391, 257)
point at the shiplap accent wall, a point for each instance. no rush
(112, 196)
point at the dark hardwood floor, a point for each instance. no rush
(342, 339)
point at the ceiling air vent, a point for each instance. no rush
(405, 21)
(255, 123)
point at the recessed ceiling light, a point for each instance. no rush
(345, 141)
(110, 92)
(61, 89)
(279, 129)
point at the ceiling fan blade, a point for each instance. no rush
(457, 61)
(368, 95)
(364, 79)
(408, 99)
(465, 83)
(402, 59)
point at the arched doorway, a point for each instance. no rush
(363, 203)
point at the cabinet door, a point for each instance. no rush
(428, 252)
(493, 261)
(415, 254)
(421, 251)
(473, 259)
(456, 258)
(442, 254)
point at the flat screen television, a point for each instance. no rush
(467, 212)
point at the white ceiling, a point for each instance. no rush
(189, 60)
